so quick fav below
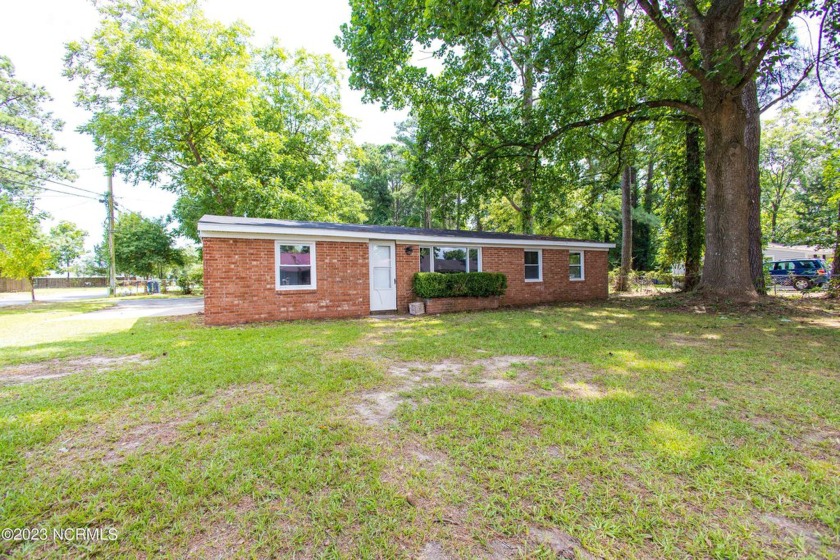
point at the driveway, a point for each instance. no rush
(136, 308)
(52, 295)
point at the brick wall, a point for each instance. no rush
(555, 285)
(239, 280)
(239, 283)
(407, 266)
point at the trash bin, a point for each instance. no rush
(153, 287)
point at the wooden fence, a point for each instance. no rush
(9, 285)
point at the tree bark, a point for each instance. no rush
(32, 288)
(835, 265)
(647, 195)
(694, 207)
(726, 271)
(774, 214)
(752, 138)
(623, 283)
(529, 165)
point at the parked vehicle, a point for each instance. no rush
(802, 274)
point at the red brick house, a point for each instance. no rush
(267, 270)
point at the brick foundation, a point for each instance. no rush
(457, 304)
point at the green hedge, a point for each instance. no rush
(429, 285)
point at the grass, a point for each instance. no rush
(647, 427)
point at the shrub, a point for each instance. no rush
(190, 277)
(429, 285)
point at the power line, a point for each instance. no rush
(31, 186)
(50, 181)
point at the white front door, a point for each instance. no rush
(383, 276)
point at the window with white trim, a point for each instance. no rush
(450, 259)
(575, 265)
(294, 265)
(533, 265)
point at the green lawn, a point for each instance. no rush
(635, 428)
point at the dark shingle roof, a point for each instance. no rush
(209, 220)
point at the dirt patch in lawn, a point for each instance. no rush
(432, 483)
(112, 443)
(54, 369)
(683, 340)
(377, 407)
(508, 374)
(112, 440)
(540, 542)
(792, 529)
(222, 539)
(145, 435)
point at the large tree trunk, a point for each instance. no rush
(623, 283)
(694, 207)
(752, 137)
(726, 270)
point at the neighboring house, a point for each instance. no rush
(776, 252)
(267, 270)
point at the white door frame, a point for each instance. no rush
(383, 299)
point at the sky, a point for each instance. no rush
(33, 34)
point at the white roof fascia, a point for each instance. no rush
(280, 232)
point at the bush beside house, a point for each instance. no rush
(430, 285)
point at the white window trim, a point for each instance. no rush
(431, 249)
(582, 267)
(539, 263)
(313, 274)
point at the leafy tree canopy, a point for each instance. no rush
(189, 104)
(67, 243)
(24, 250)
(27, 137)
(142, 246)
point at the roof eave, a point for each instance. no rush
(279, 232)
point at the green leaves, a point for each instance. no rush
(26, 137)
(24, 251)
(190, 105)
(142, 245)
(461, 284)
(67, 243)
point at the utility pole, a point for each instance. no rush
(112, 284)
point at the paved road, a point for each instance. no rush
(135, 308)
(23, 298)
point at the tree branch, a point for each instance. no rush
(695, 18)
(651, 8)
(658, 103)
(792, 89)
(783, 19)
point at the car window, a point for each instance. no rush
(807, 265)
